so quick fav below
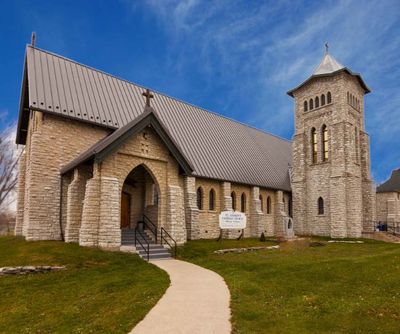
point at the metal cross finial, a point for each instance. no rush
(326, 48)
(33, 39)
(148, 96)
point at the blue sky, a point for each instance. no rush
(237, 58)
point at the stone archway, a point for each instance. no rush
(140, 196)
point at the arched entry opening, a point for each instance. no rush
(139, 199)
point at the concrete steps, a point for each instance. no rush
(156, 251)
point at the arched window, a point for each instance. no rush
(269, 205)
(325, 143)
(262, 203)
(211, 200)
(305, 106)
(317, 102)
(320, 206)
(233, 196)
(328, 98)
(243, 202)
(200, 198)
(348, 97)
(322, 99)
(311, 104)
(314, 145)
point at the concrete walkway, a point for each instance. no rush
(197, 301)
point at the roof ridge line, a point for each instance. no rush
(155, 91)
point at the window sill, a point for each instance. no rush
(320, 107)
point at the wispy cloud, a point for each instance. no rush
(253, 53)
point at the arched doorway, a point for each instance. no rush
(139, 199)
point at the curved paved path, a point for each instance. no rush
(197, 301)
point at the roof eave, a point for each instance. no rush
(19, 137)
(99, 151)
(360, 79)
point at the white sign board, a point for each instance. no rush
(232, 220)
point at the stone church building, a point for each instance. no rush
(103, 155)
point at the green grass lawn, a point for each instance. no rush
(336, 288)
(99, 292)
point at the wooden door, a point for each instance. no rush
(125, 210)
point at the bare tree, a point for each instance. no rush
(9, 156)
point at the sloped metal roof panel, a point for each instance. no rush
(217, 147)
(391, 185)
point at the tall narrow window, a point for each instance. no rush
(356, 142)
(320, 206)
(233, 196)
(262, 203)
(322, 99)
(211, 200)
(348, 97)
(311, 104)
(328, 97)
(243, 202)
(305, 106)
(269, 205)
(317, 102)
(200, 198)
(314, 145)
(325, 143)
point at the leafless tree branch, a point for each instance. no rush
(9, 156)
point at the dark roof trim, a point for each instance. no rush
(345, 69)
(23, 115)
(99, 151)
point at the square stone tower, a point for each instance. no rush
(331, 183)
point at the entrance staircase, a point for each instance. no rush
(144, 242)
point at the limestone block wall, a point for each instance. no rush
(147, 149)
(343, 181)
(75, 196)
(19, 221)
(267, 218)
(66, 180)
(209, 219)
(258, 220)
(191, 210)
(175, 222)
(110, 212)
(388, 207)
(256, 223)
(52, 142)
(89, 231)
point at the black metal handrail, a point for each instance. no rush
(162, 237)
(384, 226)
(150, 226)
(145, 239)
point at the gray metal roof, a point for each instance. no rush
(215, 146)
(329, 66)
(100, 150)
(391, 185)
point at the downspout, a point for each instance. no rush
(60, 211)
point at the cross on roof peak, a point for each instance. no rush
(148, 96)
(326, 48)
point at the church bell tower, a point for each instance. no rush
(331, 183)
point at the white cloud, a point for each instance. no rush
(259, 51)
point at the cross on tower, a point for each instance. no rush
(326, 48)
(148, 96)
